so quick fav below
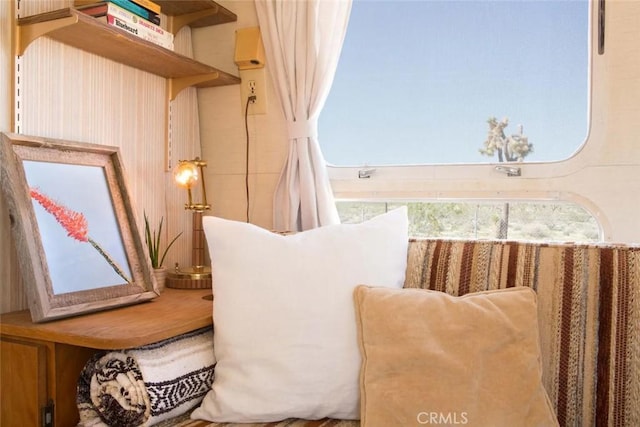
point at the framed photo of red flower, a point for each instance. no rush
(73, 222)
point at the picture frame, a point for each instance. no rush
(73, 222)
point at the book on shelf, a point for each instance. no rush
(138, 30)
(165, 38)
(149, 5)
(129, 5)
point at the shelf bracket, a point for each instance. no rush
(175, 23)
(176, 84)
(29, 32)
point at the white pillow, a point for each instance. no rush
(285, 334)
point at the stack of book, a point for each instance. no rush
(138, 17)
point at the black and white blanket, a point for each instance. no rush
(146, 385)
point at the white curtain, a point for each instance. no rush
(303, 40)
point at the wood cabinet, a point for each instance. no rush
(29, 359)
(40, 363)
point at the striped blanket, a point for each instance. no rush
(146, 385)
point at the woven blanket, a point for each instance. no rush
(146, 385)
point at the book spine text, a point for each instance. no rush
(142, 32)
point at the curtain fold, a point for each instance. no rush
(303, 40)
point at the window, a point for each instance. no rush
(418, 80)
(559, 222)
(431, 96)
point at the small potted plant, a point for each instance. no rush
(155, 254)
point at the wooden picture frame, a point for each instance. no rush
(74, 226)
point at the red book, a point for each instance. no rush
(96, 9)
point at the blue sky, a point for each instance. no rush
(417, 80)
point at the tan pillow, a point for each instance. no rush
(430, 358)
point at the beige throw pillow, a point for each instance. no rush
(430, 358)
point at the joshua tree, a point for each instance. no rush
(513, 148)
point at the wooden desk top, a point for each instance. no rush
(174, 312)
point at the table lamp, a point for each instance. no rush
(198, 276)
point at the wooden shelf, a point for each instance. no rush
(174, 312)
(195, 13)
(74, 28)
(91, 35)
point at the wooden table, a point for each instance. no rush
(40, 362)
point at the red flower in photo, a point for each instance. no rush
(76, 226)
(73, 222)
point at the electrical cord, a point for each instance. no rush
(250, 99)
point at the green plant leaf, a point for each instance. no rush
(168, 246)
(153, 242)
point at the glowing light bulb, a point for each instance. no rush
(186, 174)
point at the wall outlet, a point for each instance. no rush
(253, 83)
